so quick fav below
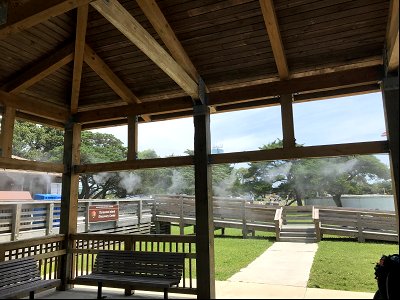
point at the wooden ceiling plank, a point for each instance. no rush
(114, 82)
(40, 70)
(164, 30)
(32, 13)
(271, 22)
(81, 26)
(392, 36)
(114, 12)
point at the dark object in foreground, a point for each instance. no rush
(20, 277)
(134, 269)
(387, 274)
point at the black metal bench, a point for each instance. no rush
(19, 277)
(134, 269)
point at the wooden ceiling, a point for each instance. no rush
(101, 61)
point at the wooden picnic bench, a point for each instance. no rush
(19, 277)
(134, 269)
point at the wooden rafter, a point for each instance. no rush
(81, 26)
(271, 22)
(32, 13)
(392, 36)
(114, 12)
(113, 81)
(40, 70)
(160, 24)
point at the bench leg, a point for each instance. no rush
(31, 295)
(166, 293)
(129, 292)
(99, 288)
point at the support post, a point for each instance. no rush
(16, 221)
(289, 140)
(49, 218)
(390, 93)
(69, 197)
(7, 131)
(132, 137)
(204, 204)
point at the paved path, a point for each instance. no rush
(283, 263)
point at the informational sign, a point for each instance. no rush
(103, 213)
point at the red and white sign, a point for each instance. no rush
(103, 213)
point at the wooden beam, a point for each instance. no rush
(390, 93)
(155, 107)
(69, 197)
(113, 81)
(81, 25)
(164, 30)
(205, 275)
(7, 131)
(32, 13)
(358, 76)
(138, 164)
(301, 152)
(17, 164)
(271, 22)
(392, 37)
(51, 63)
(132, 137)
(39, 120)
(113, 11)
(35, 107)
(249, 96)
(289, 140)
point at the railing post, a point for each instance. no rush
(181, 221)
(244, 222)
(49, 218)
(87, 224)
(16, 221)
(140, 212)
(360, 228)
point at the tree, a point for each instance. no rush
(351, 174)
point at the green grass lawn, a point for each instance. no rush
(345, 264)
(232, 252)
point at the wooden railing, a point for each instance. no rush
(85, 246)
(361, 224)
(228, 213)
(46, 250)
(28, 219)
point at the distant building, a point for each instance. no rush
(217, 150)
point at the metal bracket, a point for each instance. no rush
(3, 11)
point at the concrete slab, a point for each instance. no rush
(312, 293)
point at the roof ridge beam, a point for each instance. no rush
(32, 13)
(113, 81)
(271, 22)
(114, 12)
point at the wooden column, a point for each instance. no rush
(390, 93)
(69, 195)
(132, 137)
(289, 140)
(204, 205)
(7, 130)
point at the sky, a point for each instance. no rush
(334, 121)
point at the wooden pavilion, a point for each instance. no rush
(83, 64)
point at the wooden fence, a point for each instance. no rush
(28, 219)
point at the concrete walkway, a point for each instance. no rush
(281, 272)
